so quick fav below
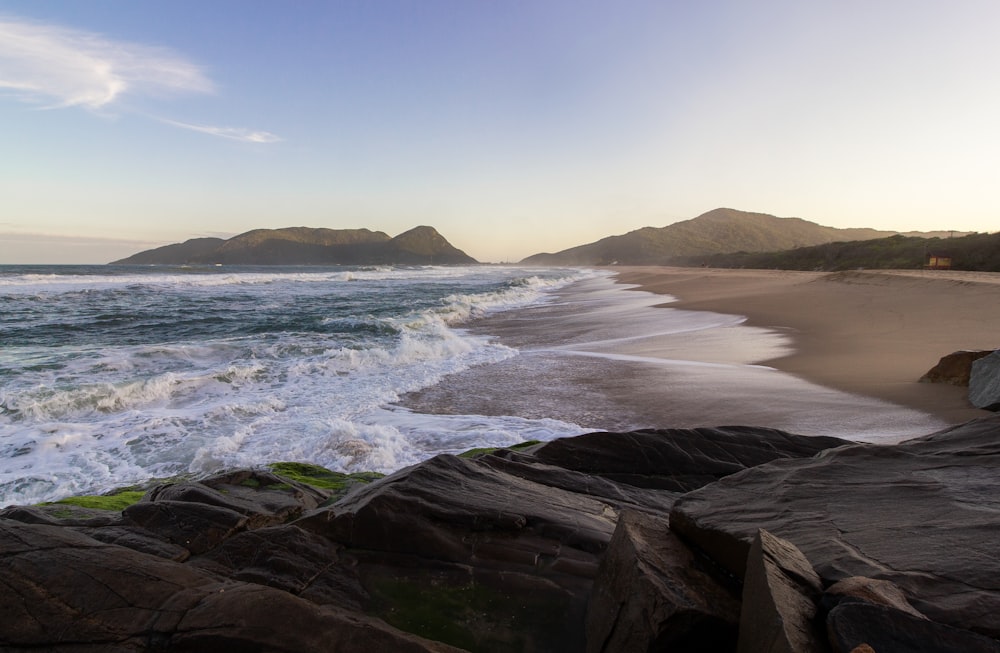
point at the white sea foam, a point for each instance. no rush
(109, 408)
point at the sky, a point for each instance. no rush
(512, 126)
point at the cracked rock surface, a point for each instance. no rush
(924, 514)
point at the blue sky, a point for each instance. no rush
(513, 127)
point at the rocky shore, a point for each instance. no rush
(716, 539)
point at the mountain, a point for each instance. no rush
(979, 252)
(308, 246)
(715, 232)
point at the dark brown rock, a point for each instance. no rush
(264, 498)
(456, 509)
(64, 591)
(984, 382)
(61, 515)
(620, 495)
(198, 527)
(290, 559)
(468, 530)
(678, 460)
(653, 594)
(886, 630)
(138, 539)
(954, 368)
(780, 592)
(923, 514)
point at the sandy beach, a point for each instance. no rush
(812, 353)
(868, 332)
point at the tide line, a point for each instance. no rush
(645, 359)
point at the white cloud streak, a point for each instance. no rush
(232, 133)
(59, 67)
(64, 67)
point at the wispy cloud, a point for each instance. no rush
(233, 133)
(57, 67)
(64, 67)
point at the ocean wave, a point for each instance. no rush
(116, 378)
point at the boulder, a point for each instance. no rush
(984, 382)
(678, 460)
(923, 514)
(954, 368)
(66, 592)
(883, 629)
(780, 592)
(653, 594)
(436, 543)
(264, 498)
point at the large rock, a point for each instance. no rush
(678, 460)
(886, 630)
(290, 559)
(984, 382)
(954, 368)
(457, 535)
(66, 592)
(499, 552)
(780, 594)
(494, 553)
(923, 514)
(654, 594)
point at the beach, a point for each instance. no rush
(869, 332)
(809, 352)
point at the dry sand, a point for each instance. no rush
(873, 333)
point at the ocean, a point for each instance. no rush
(115, 375)
(112, 376)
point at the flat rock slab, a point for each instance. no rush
(678, 460)
(923, 514)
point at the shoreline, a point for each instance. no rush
(872, 333)
(606, 358)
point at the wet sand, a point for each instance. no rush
(815, 354)
(872, 332)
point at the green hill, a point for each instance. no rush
(308, 246)
(970, 252)
(718, 231)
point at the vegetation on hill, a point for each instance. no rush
(972, 252)
(718, 231)
(308, 246)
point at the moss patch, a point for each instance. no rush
(472, 453)
(321, 477)
(116, 501)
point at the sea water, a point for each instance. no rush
(115, 375)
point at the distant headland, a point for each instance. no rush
(308, 246)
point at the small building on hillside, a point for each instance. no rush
(938, 261)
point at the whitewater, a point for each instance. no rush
(117, 375)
